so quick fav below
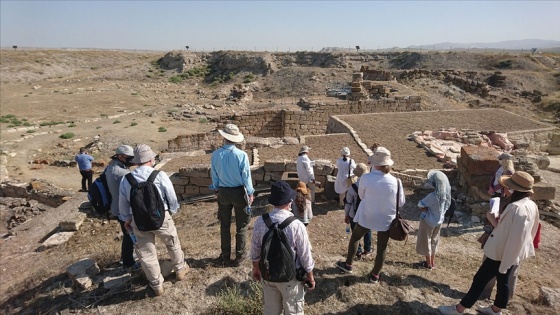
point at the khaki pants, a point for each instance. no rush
(286, 296)
(312, 188)
(146, 250)
(427, 241)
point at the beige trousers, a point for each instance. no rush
(147, 253)
(427, 241)
(312, 188)
(283, 298)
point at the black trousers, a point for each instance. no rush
(488, 270)
(86, 176)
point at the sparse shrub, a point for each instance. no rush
(26, 95)
(133, 124)
(9, 116)
(162, 129)
(98, 127)
(504, 64)
(176, 79)
(248, 78)
(148, 75)
(134, 93)
(116, 122)
(50, 123)
(66, 135)
(27, 124)
(93, 68)
(234, 302)
(104, 115)
(203, 120)
(71, 125)
(31, 131)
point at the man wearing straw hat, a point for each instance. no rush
(231, 179)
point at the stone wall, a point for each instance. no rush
(543, 140)
(38, 190)
(462, 80)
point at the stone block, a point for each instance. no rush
(179, 189)
(480, 160)
(55, 240)
(258, 174)
(323, 167)
(291, 167)
(550, 297)
(480, 181)
(82, 271)
(116, 281)
(191, 190)
(73, 224)
(543, 191)
(205, 191)
(201, 181)
(178, 180)
(195, 170)
(275, 166)
(328, 191)
(276, 176)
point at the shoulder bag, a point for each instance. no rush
(400, 227)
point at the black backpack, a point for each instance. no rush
(146, 203)
(99, 195)
(355, 187)
(277, 261)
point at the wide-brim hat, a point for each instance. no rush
(345, 151)
(142, 154)
(302, 187)
(361, 169)
(519, 181)
(231, 132)
(304, 149)
(125, 150)
(381, 157)
(281, 193)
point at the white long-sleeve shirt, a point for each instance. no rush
(511, 241)
(304, 169)
(340, 186)
(378, 192)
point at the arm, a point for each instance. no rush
(256, 271)
(214, 174)
(125, 212)
(309, 168)
(303, 251)
(246, 175)
(402, 199)
(514, 237)
(169, 192)
(491, 218)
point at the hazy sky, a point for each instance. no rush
(271, 25)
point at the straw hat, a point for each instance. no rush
(231, 133)
(519, 181)
(304, 149)
(381, 157)
(302, 187)
(345, 151)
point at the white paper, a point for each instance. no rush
(495, 206)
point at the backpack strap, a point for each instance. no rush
(355, 187)
(269, 223)
(153, 176)
(286, 222)
(131, 180)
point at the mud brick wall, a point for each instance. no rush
(259, 124)
(49, 197)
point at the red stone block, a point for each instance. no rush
(480, 160)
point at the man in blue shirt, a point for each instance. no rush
(231, 179)
(84, 164)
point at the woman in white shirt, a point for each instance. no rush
(510, 243)
(304, 167)
(345, 166)
(379, 191)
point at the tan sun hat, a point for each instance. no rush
(231, 133)
(361, 169)
(381, 157)
(304, 149)
(519, 181)
(142, 154)
(345, 151)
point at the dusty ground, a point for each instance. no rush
(91, 88)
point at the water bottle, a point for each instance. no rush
(248, 210)
(132, 237)
(348, 228)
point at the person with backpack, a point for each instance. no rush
(352, 202)
(433, 208)
(146, 202)
(281, 255)
(231, 180)
(114, 172)
(84, 165)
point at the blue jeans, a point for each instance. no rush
(488, 270)
(367, 239)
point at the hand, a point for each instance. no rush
(309, 282)
(256, 274)
(128, 225)
(251, 198)
(346, 219)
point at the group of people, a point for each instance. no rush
(370, 196)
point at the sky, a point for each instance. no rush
(271, 25)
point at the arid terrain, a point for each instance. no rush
(141, 97)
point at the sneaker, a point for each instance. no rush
(422, 265)
(135, 267)
(342, 265)
(373, 278)
(358, 256)
(182, 273)
(158, 291)
(449, 310)
(367, 253)
(488, 310)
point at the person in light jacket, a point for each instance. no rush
(304, 167)
(510, 243)
(345, 166)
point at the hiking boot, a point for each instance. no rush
(342, 265)
(158, 291)
(182, 273)
(488, 310)
(449, 310)
(373, 278)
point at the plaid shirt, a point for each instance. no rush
(296, 233)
